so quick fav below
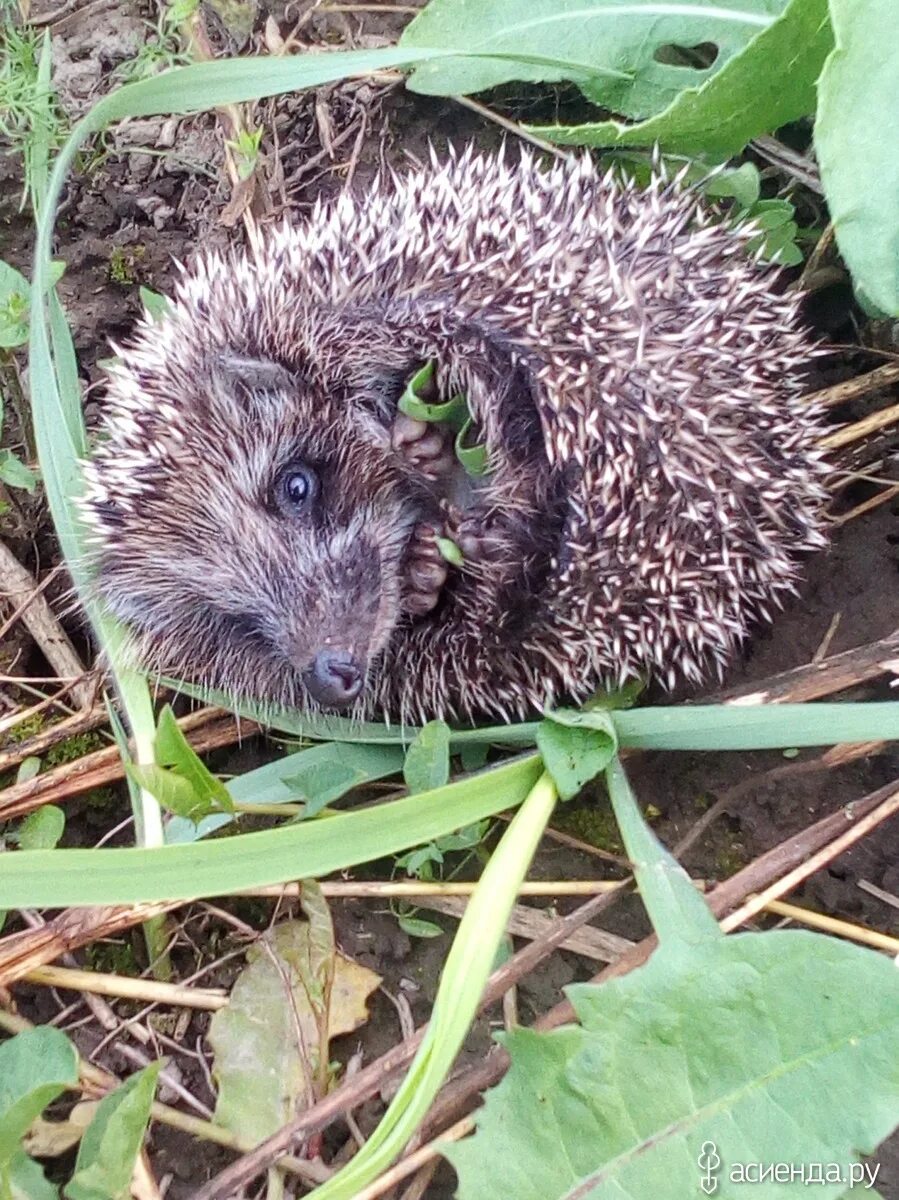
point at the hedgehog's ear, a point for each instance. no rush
(232, 371)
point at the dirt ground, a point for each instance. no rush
(149, 193)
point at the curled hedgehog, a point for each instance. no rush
(270, 519)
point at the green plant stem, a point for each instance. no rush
(468, 966)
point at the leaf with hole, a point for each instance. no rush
(633, 59)
(766, 82)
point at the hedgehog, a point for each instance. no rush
(267, 518)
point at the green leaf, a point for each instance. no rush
(28, 768)
(188, 788)
(777, 1048)
(42, 829)
(318, 775)
(742, 183)
(858, 108)
(465, 973)
(14, 301)
(450, 551)
(27, 1180)
(427, 759)
(756, 726)
(35, 1067)
(271, 1041)
(329, 771)
(174, 793)
(418, 928)
(677, 911)
(576, 746)
(155, 304)
(764, 84)
(633, 59)
(112, 1141)
(14, 472)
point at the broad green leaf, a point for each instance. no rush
(427, 759)
(57, 878)
(677, 911)
(770, 82)
(112, 1141)
(42, 829)
(622, 56)
(858, 109)
(329, 771)
(777, 1048)
(318, 775)
(575, 747)
(266, 1042)
(742, 183)
(36, 1066)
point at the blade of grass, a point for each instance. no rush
(470, 961)
(671, 727)
(58, 878)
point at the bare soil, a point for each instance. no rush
(149, 194)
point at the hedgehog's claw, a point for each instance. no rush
(424, 445)
(425, 571)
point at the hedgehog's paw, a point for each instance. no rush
(477, 540)
(424, 445)
(425, 571)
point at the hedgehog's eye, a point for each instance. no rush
(298, 488)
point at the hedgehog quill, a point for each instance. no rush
(267, 518)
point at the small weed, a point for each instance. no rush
(125, 262)
(245, 149)
(164, 48)
(29, 112)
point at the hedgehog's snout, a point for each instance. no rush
(335, 678)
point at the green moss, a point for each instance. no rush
(729, 860)
(125, 263)
(26, 729)
(73, 748)
(593, 823)
(112, 958)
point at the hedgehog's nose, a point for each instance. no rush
(334, 679)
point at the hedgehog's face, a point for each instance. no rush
(252, 534)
